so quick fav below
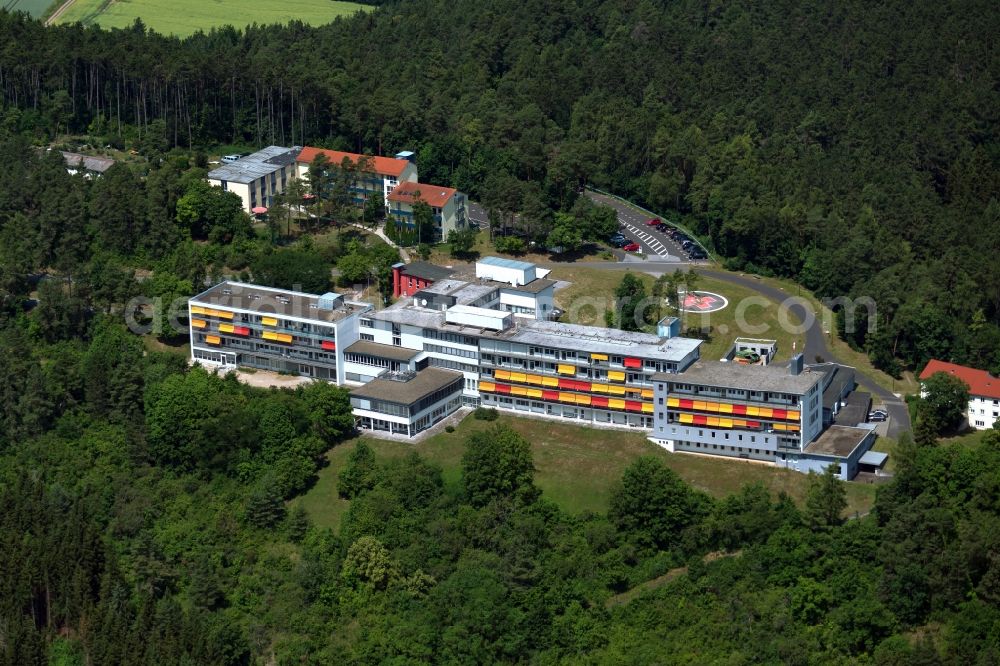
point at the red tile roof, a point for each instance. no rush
(384, 166)
(980, 382)
(432, 195)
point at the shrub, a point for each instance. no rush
(485, 414)
(449, 428)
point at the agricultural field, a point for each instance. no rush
(576, 467)
(184, 17)
(34, 7)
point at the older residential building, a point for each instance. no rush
(984, 392)
(448, 206)
(245, 325)
(408, 279)
(370, 174)
(258, 177)
(90, 166)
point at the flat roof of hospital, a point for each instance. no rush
(271, 301)
(772, 378)
(262, 163)
(538, 333)
(838, 441)
(506, 263)
(419, 385)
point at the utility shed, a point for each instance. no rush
(512, 272)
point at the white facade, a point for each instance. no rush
(512, 272)
(537, 305)
(982, 412)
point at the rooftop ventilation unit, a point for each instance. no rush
(330, 300)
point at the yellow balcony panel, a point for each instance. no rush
(284, 337)
(213, 340)
(616, 390)
(533, 379)
(699, 405)
(712, 406)
(583, 399)
(616, 376)
(518, 390)
(647, 408)
(519, 377)
(753, 411)
(502, 374)
(534, 393)
(599, 388)
(598, 357)
(199, 323)
(197, 309)
(566, 397)
(488, 387)
(221, 314)
(565, 369)
(673, 402)
(225, 328)
(766, 412)
(550, 381)
(647, 393)
(269, 321)
(725, 423)
(792, 416)
(725, 408)
(687, 418)
(614, 403)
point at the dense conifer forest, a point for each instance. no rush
(149, 512)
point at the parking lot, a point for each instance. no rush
(655, 244)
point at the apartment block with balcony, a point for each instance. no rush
(244, 325)
(447, 205)
(259, 177)
(370, 174)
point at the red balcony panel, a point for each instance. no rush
(633, 362)
(598, 401)
(550, 395)
(241, 330)
(739, 409)
(503, 388)
(328, 344)
(633, 406)
(779, 413)
(700, 420)
(753, 424)
(568, 384)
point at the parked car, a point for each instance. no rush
(555, 314)
(654, 222)
(665, 228)
(697, 253)
(688, 244)
(631, 247)
(615, 241)
(878, 415)
(229, 159)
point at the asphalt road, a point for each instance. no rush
(663, 261)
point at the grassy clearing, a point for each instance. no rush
(577, 467)
(592, 293)
(184, 17)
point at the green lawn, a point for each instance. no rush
(577, 467)
(719, 329)
(184, 17)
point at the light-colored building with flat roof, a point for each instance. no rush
(244, 325)
(258, 177)
(407, 403)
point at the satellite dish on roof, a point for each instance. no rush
(423, 302)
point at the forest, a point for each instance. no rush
(150, 513)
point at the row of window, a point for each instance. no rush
(451, 351)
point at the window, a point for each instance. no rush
(368, 336)
(659, 401)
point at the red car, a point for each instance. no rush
(653, 222)
(631, 247)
